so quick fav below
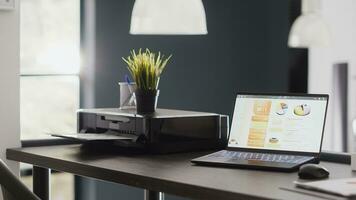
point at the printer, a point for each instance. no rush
(165, 131)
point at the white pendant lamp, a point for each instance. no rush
(309, 29)
(168, 17)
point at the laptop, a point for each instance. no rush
(273, 132)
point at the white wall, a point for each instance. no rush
(9, 83)
(341, 18)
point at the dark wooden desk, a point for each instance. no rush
(165, 173)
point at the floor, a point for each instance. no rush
(62, 185)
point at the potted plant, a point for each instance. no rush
(146, 68)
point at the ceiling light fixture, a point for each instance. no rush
(309, 29)
(168, 17)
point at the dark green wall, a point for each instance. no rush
(245, 50)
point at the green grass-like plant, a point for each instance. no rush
(146, 68)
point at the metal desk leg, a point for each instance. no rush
(41, 182)
(151, 195)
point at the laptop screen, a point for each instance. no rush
(290, 123)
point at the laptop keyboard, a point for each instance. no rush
(267, 157)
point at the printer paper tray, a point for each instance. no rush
(86, 137)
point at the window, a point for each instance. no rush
(50, 63)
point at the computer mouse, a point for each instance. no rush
(313, 171)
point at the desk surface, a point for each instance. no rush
(171, 173)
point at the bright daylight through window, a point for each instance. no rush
(50, 63)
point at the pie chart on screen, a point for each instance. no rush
(302, 110)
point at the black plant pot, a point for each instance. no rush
(146, 101)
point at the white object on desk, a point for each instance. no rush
(353, 161)
(344, 187)
(127, 99)
(7, 4)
